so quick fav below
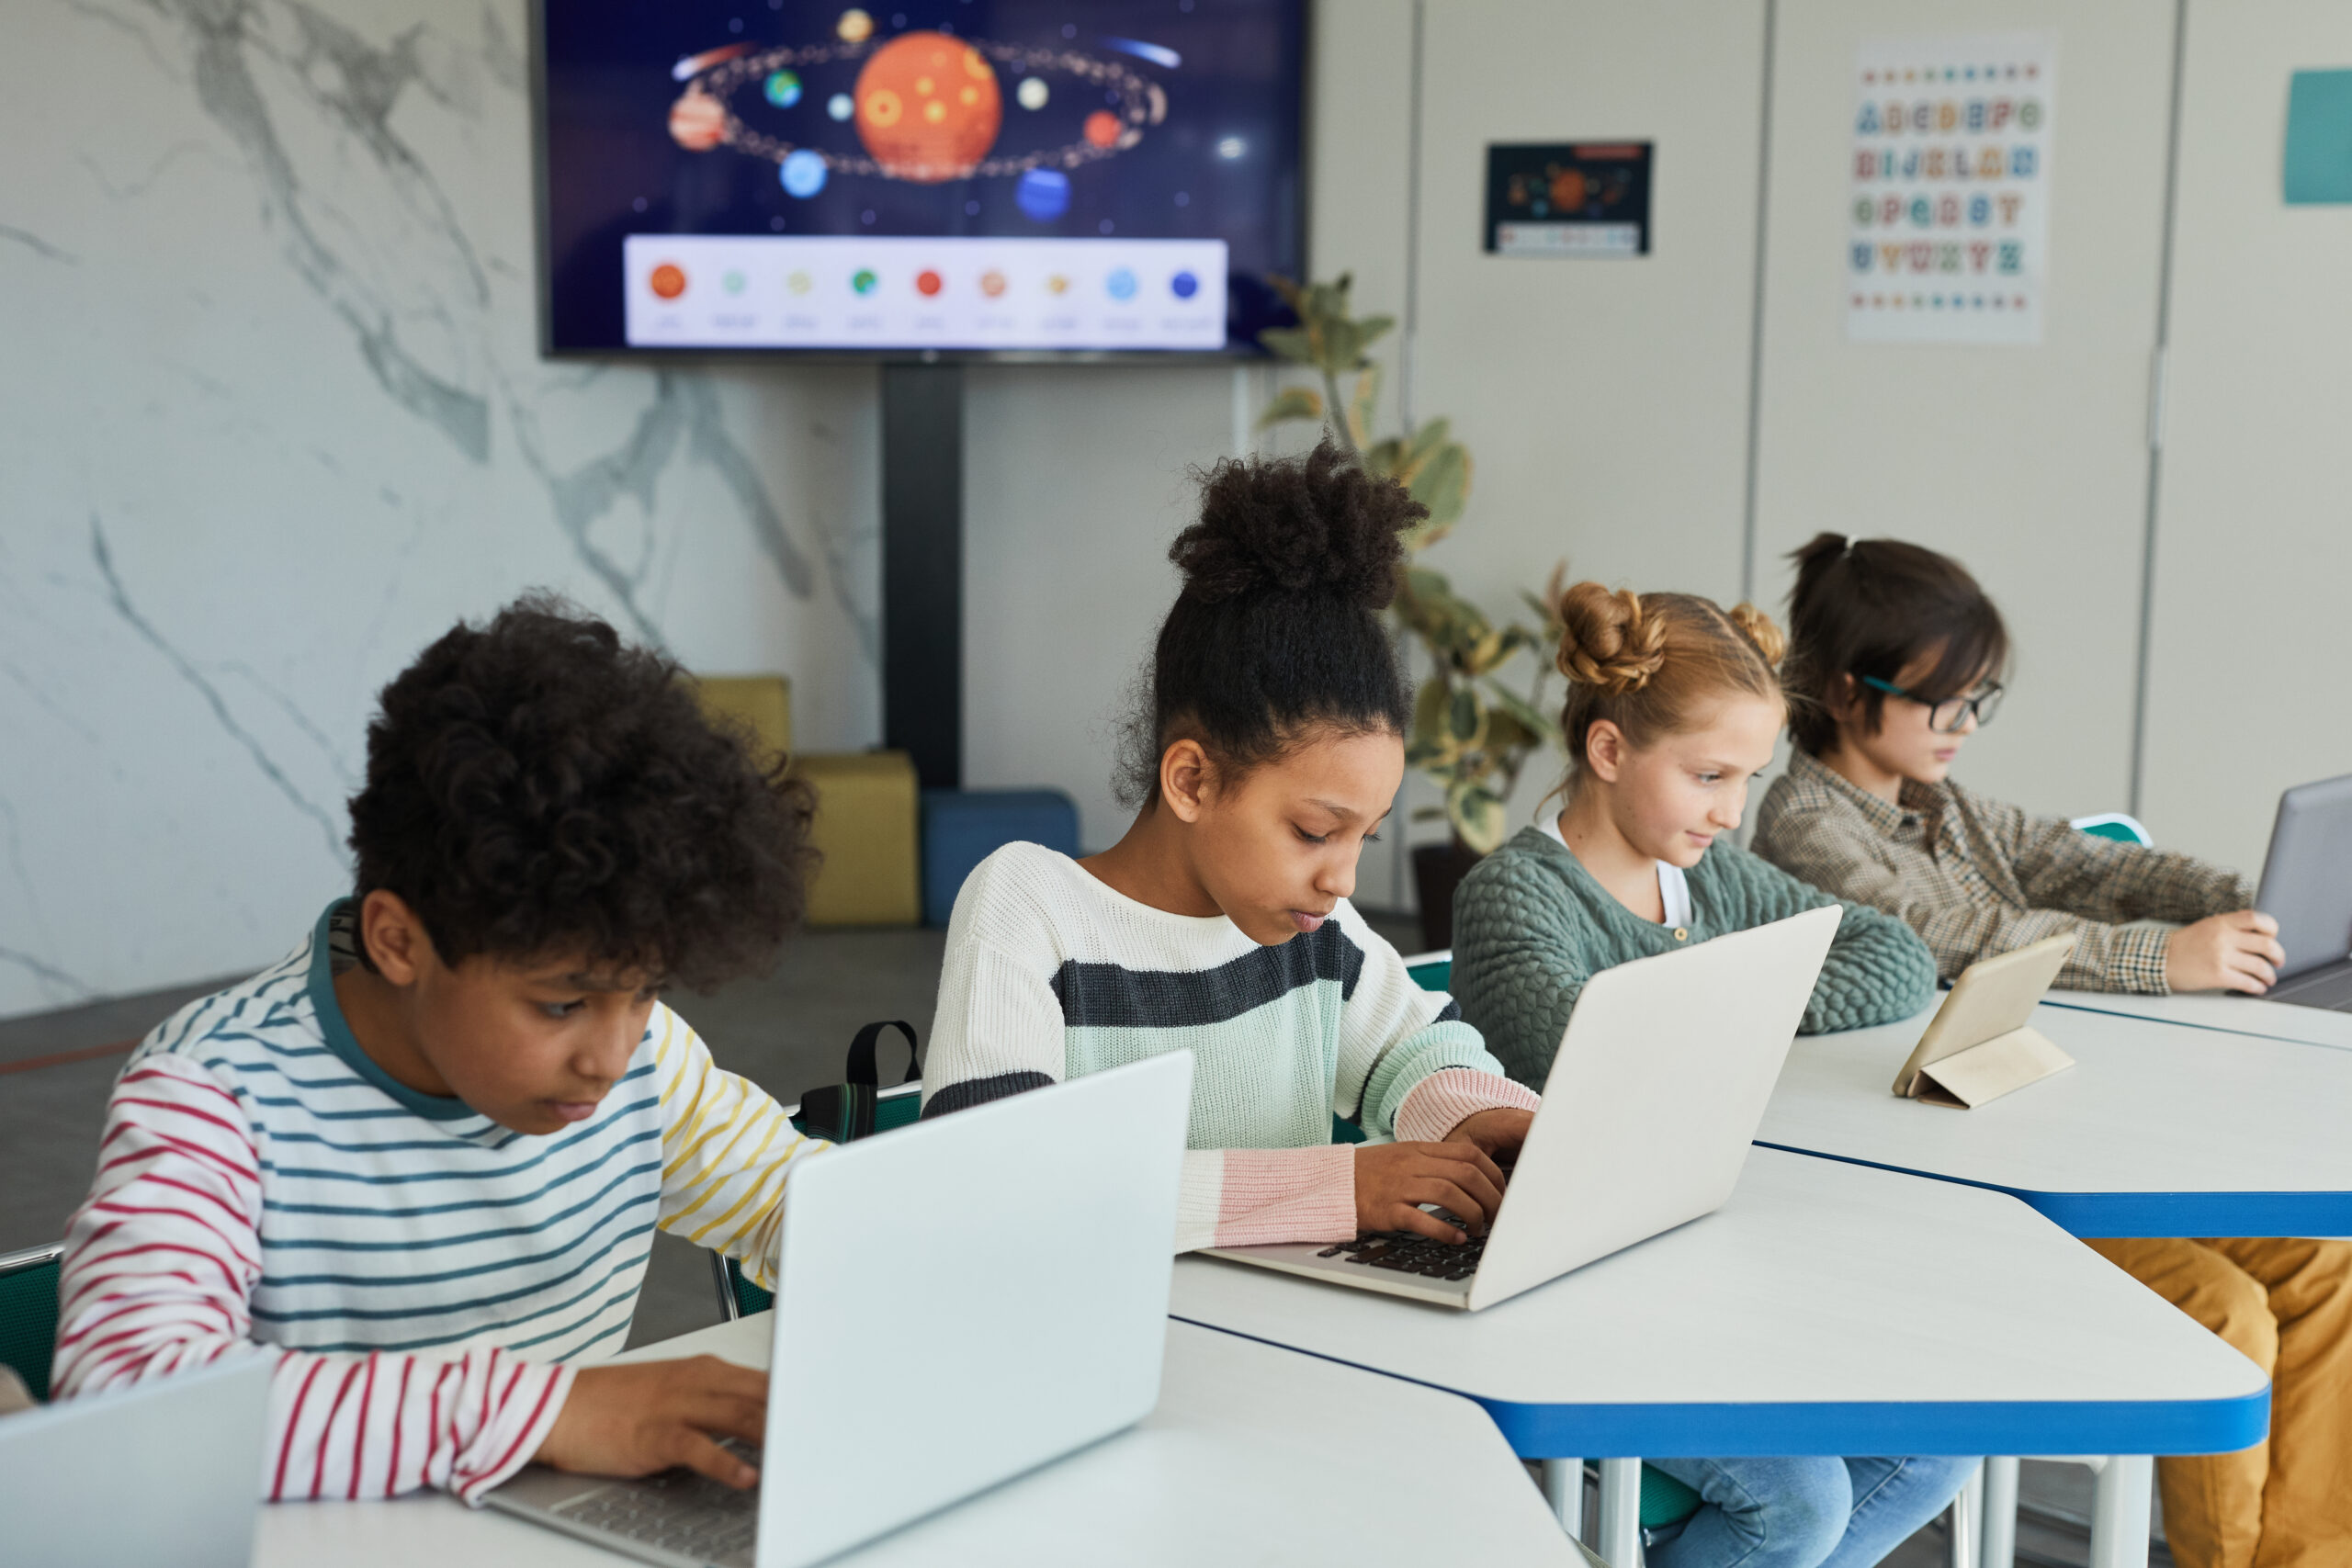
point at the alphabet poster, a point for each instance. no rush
(1948, 217)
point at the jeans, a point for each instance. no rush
(1805, 1512)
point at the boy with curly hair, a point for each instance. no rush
(422, 1156)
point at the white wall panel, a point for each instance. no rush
(2253, 550)
(2028, 463)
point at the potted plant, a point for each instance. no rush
(1474, 728)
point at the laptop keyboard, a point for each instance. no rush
(678, 1511)
(1410, 1254)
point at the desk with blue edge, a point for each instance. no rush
(2160, 1129)
(1826, 1308)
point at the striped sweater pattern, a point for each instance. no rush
(426, 1276)
(1051, 975)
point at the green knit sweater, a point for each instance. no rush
(1530, 925)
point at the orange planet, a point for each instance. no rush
(1102, 128)
(928, 107)
(697, 122)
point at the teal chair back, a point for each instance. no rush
(738, 1296)
(28, 1312)
(2120, 826)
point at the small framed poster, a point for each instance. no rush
(1571, 199)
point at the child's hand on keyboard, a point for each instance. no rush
(644, 1417)
(1499, 1132)
(1394, 1179)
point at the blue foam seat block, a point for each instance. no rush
(962, 828)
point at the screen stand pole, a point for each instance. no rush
(923, 569)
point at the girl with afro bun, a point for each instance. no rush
(1267, 746)
(1674, 705)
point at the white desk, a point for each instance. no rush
(1827, 1308)
(2161, 1129)
(1256, 1455)
(2225, 1011)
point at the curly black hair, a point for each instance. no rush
(1278, 626)
(535, 786)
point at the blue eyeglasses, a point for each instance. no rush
(1945, 715)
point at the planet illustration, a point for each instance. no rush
(668, 281)
(928, 107)
(1121, 284)
(928, 282)
(803, 172)
(1043, 195)
(698, 122)
(1057, 284)
(1184, 286)
(1568, 189)
(864, 280)
(799, 282)
(992, 283)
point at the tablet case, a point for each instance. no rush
(1977, 1047)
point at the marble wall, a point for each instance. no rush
(272, 416)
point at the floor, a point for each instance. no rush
(787, 1031)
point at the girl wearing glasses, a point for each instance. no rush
(1894, 655)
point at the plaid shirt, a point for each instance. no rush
(1976, 877)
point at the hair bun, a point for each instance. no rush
(1606, 640)
(1312, 525)
(1759, 629)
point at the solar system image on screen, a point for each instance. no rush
(964, 175)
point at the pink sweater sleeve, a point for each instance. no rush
(1442, 1101)
(160, 1267)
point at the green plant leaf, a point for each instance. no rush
(1294, 343)
(1540, 726)
(1372, 329)
(1292, 402)
(1361, 407)
(1432, 744)
(1477, 815)
(1428, 813)
(1466, 717)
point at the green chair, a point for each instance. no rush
(1666, 1503)
(738, 1296)
(2120, 826)
(28, 1312)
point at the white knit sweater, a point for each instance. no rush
(1051, 975)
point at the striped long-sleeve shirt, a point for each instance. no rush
(424, 1276)
(1051, 975)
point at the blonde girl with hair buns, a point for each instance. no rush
(1674, 706)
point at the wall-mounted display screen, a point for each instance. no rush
(962, 175)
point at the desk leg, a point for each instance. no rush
(2120, 1512)
(1620, 1513)
(1966, 1515)
(1564, 1489)
(2000, 1541)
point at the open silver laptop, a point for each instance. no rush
(2307, 888)
(1659, 1083)
(166, 1471)
(958, 1302)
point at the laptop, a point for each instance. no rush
(1660, 1081)
(958, 1302)
(164, 1471)
(2307, 888)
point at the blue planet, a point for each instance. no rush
(1185, 285)
(803, 172)
(1043, 195)
(1121, 284)
(783, 89)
